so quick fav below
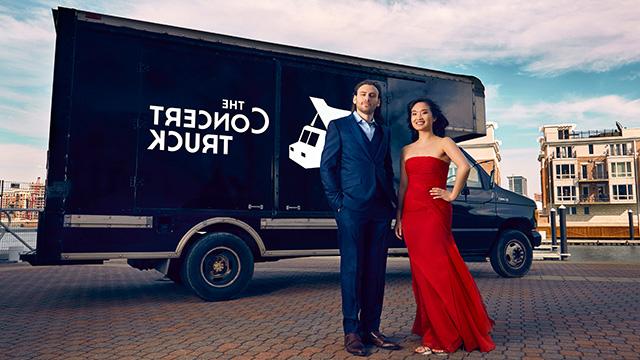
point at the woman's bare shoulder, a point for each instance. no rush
(407, 148)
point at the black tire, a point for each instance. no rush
(218, 267)
(512, 254)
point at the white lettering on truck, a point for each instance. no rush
(206, 142)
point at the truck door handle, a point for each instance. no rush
(502, 199)
(260, 207)
(288, 207)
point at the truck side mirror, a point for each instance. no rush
(492, 182)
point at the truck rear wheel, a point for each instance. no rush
(218, 266)
(512, 254)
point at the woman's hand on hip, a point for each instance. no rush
(443, 194)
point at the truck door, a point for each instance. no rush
(101, 137)
(474, 212)
(312, 96)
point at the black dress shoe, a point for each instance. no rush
(353, 344)
(378, 339)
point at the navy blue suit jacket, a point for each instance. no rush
(349, 171)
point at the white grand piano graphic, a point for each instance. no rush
(307, 150)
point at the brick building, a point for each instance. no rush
(486, 150)
(592, 172)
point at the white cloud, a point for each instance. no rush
(543, 37)
(588, 113)
(632, 76)
(22, 163)
(30, 118)
(524, 162)
(26, 72)
(491, 93)
(547, 37)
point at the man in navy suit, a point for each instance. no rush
(357, 176)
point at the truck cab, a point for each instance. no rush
(492, 222)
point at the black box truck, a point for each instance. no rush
(198, 154)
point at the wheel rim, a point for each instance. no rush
(220, 267)
(515, 254)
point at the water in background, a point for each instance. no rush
(604, 253)
(8, 240)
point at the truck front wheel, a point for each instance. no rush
(218, 266)
(512, 254)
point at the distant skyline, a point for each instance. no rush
(542, 62)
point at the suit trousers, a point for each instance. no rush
(363, 238)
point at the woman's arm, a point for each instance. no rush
(457, 157)
(402, 189)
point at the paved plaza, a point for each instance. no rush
(291, 310)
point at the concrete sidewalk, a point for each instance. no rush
(561, 310)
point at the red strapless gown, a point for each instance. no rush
(449, 308)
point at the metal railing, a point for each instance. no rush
(594, 176)
(594, 198)
(18, 228)
(566, 199)
(619, 152)
(569, 155)
(594, 133)
(20, 207)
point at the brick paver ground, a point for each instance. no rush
(561, 310)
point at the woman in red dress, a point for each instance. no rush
(449, 309)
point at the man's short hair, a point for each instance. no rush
(368, 82)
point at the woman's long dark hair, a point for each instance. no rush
(440, 121)
(377, 114)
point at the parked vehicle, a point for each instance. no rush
(197, 154)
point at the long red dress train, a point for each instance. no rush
(449, 308)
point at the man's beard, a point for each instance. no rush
(370, 111)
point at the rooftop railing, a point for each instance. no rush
(594, 133)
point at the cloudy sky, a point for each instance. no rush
(542, 62)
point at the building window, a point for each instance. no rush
(591, 149)
(517, 187)
(621, 169)
(584, 171)
(619, 149)
(566, 193)
(623, 192)
(564, 152)
(599, 173)
(563, 134)
(585, 192)
(565, 171)
(571, 210)
(586, 210)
